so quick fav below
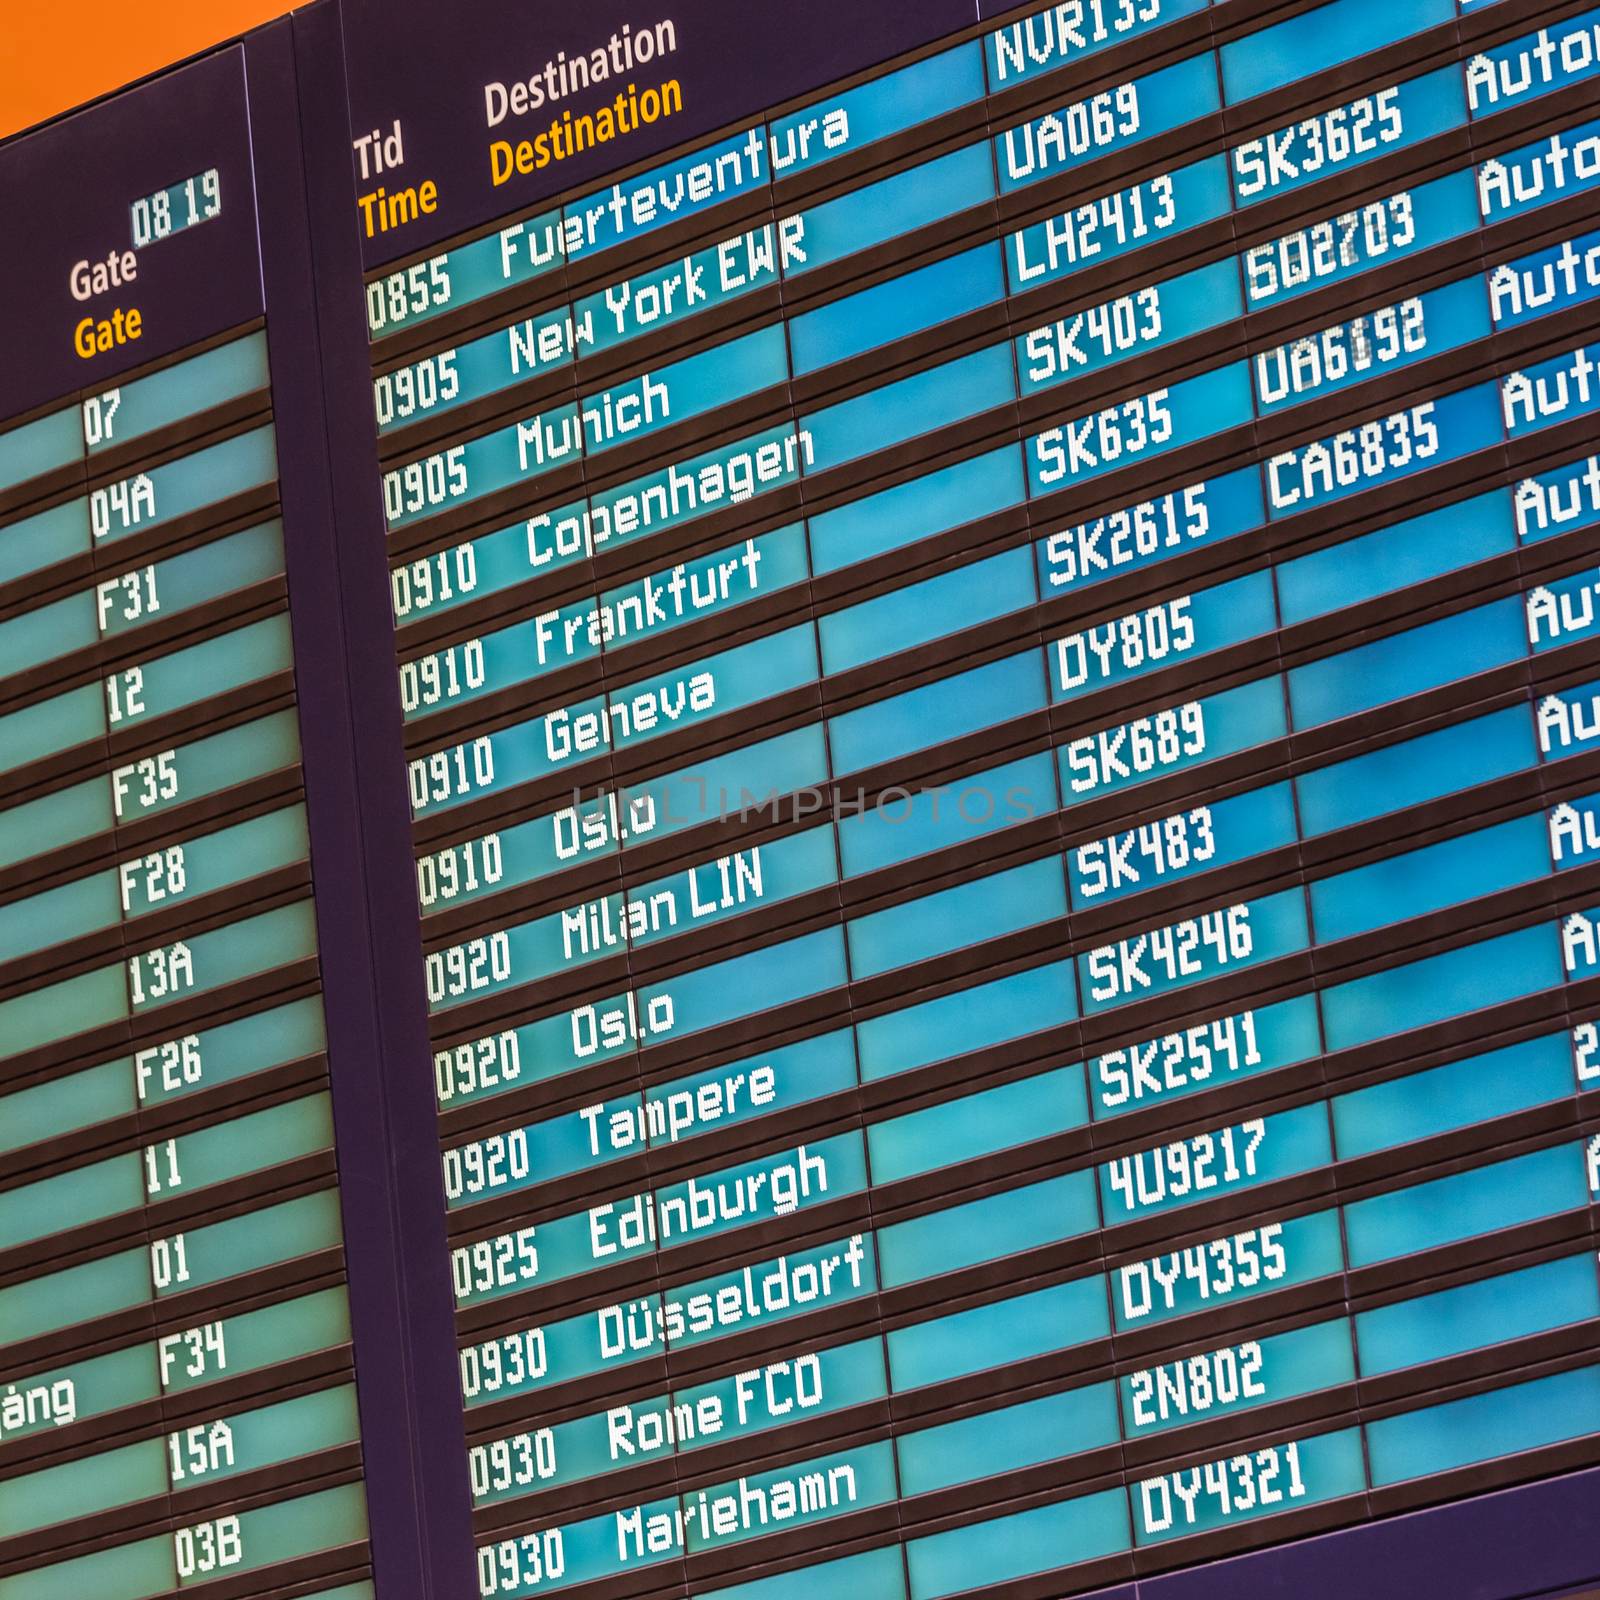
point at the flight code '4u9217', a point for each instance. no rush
(1186, 1167)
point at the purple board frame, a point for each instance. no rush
(238, 107)
(367, 931)
(68, 186)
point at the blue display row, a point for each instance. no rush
(152, 978)
(92, 523)
(157, 1074)
(812, 1383)
(969, 1233)
(146, 786)
(1225, 1381)
(1312, 1469)
(1070, 1315)
(1181, 845)
(130, 695)
(174, 1364)
(153, 592)
(132, 1187)
(154, 881)
(1459, 424)
(1054, 458)
(132, 409)
(324, 1526)
(1185, 627)
(698, 692)
(209, 1252)
(1065, 137)
(1188, 951)
(1418, 882)
(762, 361)
(1075, 1314)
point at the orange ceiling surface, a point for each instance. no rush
(57, 54)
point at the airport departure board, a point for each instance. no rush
(802, 800)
